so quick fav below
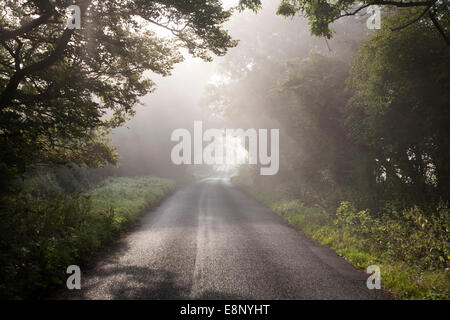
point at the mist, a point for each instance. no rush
(144, 144)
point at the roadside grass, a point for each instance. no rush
(42, 233)
(128, 197)
(412, 253)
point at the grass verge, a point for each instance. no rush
(412, 252)
(43, 233)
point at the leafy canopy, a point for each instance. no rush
(62, 89)
(322, 13)
(400, 108)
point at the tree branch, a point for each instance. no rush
(414, 20)
(403, 4)
(352, 13)
(49, 11)
(438, 27)
(8, 94)
(429, 4)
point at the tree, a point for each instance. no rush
(399, 109)
(62, 89)
(322, 13)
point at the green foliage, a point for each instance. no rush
(410, 236)
(323, 13)
(254, 5)
(410, 246)
(319, 95)
(58, 179)
(373, 132)
(399, 110)
(128, 196)
(45, 230)
(62, 90)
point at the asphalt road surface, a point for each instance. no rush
(210, 240)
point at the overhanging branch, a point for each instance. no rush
(412, 21)
(49, 11)
(8, 93)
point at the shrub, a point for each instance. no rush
(408, 235)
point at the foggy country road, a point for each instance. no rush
(212, 241)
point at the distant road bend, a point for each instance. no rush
(211, 241)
